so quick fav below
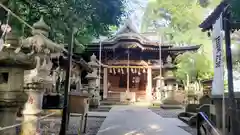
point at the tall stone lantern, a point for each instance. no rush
(169, 78)
(13, 62)
(92, 83)
(38, 80)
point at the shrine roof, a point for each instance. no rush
(127, 33)
(129, 37)
(135, 44)
(211, 19)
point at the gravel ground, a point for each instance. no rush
(173, 113)
(51, 126)
(94, 125)
(190, 130)
(167, 113)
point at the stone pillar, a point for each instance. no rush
(38, 80)
(159, 86)
(105, 83)
(13, 62)
(33, 108)
(149, 84)
(79, 83)
(170, 91)
(92, 83)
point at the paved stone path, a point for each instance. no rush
(132, 120)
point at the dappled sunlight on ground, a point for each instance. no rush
(154, 126)
(108, 128)
(138, 120)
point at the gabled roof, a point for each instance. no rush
(128, 27)
(211, 19)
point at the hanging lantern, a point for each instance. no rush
(139, 72)
(122, 71)
(132, 70)
(119, 70)
(114, 71)
(135, 71)
(110, 70)
(144, 70)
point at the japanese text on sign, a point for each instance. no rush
(218, 58)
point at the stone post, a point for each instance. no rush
(76, 77)
(105, 83)
(13, 62)
(38, 80)
(149, 84)
(92, 83)
(159, 86)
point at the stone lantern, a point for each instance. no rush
(38, 80)
(170, 101)
(76, 77)
(13, 62)
(169, 78)
(92, 82)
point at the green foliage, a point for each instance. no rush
(235, 9)
(91, 17)
(193, 65)
(183, 18)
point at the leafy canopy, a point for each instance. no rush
(193, 65)
(177, 22)
(234, 4)
(91, 17)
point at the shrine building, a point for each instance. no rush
(131, 64)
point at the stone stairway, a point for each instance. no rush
(113, 98)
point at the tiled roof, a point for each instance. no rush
(166, 47)
(211, 19)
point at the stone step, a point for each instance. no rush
(101, 109)
(112, 100)
(191, 121)
(109, 102)
(184, 119)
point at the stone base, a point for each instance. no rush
(170, 101)
(171, 104)
(94, 103)
(163, 106)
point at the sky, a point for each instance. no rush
(135, 9)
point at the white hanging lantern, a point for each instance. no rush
(144, 70)
(114, 71)
(139, 72)
(122, 71)
(132, 70)
(110, 70)
(119, 70)
(135, 71)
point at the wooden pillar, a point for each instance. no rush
(149, 84)
(105, 83)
